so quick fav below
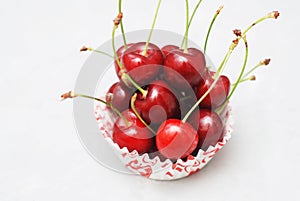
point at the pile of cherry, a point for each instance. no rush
(167, 101)
(171, 81)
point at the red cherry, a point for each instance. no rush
(217, 95)
(176, 139)
(135, 136)
(187, 100)
(191, 66)
(159, 104)
(209, 126)
(142, 68)
(169, 48)
(119, 96)
(155, 153)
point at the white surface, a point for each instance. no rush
(41, 157)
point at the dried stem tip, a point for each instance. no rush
(236, 41)
(233, 45)
(265, 62)
(252, 78)
(84, 48)
(118, 19)
(67, 95)
(219, 10)
(274, 14)
(237, 32)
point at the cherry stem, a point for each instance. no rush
(251, 78)
(250, 71)
(133, 99)
(240, 75)
(116, 21)
(274, 14)
(114, 47)
(190, 22)
(210, 27)
(233, 45)
(121, 24)
(124, 75)
(261, 63)
(140, 89)
(84, 48)
(71, 94)
(226, 58)
(221, 67)
(186, 35)
(152, 28)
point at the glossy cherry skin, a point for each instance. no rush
(191, 66)
(168, 48)
(176, 139)
(209, 127)
(135, 136)
(142, 68)
(119, 96)
(159, 104)
(217, 95)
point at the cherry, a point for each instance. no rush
(209, 127)
(132, 134)
(169, 48)
(176, 139)
(159, 104)
(142, 67)
(217, 95)
(155, 153)
(187, 100)
(190, 65)
(119, 96)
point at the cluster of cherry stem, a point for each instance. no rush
(184, 45)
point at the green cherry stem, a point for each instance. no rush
(71, 94)
(274, 14)
(152, 28)
(233, 45)
(116, 21)
(243, 68)
(190, 22)
(114, 47)
(210, 27)
(186, 35)
(221, 67)
(133, 98)
(194, 12)
(124, 75)
(84, 48)
(225, 59)
(240, 75)
(122, 27)
(251, 78)
(261, 63)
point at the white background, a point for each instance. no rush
(41, 157)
